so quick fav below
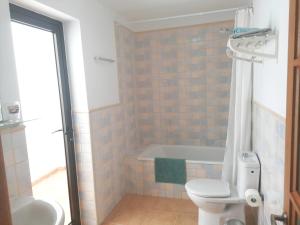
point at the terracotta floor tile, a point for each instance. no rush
(131, 210)
(109, 224)
(175, 205)
(251, 215)
(187, 219)
(160, 218)
(127, 217)
(146, 202)
(138, 201)
(166, 204)
(147, 210)
(187, 206)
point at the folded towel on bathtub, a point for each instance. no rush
(170, 171)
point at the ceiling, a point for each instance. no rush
(136, 10)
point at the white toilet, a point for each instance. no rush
(217, 200)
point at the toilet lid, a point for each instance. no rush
(208, 188)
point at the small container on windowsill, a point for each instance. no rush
(12, 112)
(10, 116)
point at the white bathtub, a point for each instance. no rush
(192, 154)
(201, 162)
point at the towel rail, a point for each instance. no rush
(253, 59)
(253, 47)
(99, 58)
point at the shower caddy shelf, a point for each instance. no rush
(253, 49)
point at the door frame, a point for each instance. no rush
(292, 189)
(33, 19)
(4, 196)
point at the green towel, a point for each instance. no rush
(170, 171)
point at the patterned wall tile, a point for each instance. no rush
(166, 98)
(109, 139)
(165, 80)
(192, 73)
(141, 179)
(268, 142)
(16, 163)
(85, 168)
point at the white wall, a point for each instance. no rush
(89, 32)
(270, 78)
(75, 62)
(94, 29)
(270, 84)
(8, 79)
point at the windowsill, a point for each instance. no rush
(11, 126)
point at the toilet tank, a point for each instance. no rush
(248, 172)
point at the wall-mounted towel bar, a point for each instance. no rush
(99, 58)
(253, 47)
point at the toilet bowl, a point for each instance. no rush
(217, 200)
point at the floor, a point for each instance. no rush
(132, 209)
(55, 187)
(251, 215)
(147, 210)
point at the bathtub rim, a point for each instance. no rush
(141, 158)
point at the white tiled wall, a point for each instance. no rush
(16, 163)
(268, 142)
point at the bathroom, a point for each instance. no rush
(145, 79)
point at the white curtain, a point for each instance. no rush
(239, 120)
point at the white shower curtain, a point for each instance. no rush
(239, 120)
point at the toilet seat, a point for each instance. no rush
(208, 188)
(213, 191)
